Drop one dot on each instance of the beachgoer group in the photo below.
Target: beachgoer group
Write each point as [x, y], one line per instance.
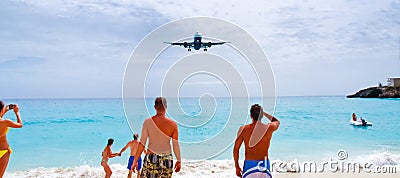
[159, 131]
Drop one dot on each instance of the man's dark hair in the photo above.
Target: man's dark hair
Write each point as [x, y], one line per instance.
[1, 105]
[110, 142]
[160, 103]
[135, 136]
[256, 112]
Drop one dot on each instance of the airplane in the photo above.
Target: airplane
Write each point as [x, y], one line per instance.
[197, 43]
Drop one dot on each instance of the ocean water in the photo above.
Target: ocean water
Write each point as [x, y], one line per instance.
[59, 133]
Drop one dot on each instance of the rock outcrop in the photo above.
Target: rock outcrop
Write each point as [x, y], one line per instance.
[377, 92]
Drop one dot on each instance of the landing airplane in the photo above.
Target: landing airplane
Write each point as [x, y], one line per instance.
[197, 44]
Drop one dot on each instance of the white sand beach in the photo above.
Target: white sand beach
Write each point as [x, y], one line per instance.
[199, 169]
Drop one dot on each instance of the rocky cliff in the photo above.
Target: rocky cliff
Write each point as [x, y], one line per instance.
[377, 92]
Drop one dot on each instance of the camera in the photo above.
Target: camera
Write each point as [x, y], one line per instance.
[11, 106]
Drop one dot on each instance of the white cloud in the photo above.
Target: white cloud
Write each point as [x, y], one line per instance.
[95, 38]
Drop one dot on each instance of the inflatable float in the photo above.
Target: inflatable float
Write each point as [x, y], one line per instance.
[359, 123]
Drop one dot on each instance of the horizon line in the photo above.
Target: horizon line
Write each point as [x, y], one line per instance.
[167, 97]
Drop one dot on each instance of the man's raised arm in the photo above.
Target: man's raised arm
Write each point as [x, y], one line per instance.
[274, 121]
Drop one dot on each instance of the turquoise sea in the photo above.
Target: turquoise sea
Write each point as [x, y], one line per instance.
[73, 132]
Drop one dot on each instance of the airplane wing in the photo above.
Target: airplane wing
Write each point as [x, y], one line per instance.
[185, 44]
[209, 44]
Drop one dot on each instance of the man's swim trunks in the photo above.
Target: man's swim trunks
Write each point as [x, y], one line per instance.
[130, 162]
[256, 169]
[157, 166]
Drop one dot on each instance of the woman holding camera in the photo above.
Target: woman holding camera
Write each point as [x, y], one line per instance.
[5, 150]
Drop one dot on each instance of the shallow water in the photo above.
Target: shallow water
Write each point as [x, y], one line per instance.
[73, 132]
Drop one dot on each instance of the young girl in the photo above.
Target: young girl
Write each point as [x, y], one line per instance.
[107, 153]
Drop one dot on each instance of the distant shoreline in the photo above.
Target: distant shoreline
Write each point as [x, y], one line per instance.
[377, 92]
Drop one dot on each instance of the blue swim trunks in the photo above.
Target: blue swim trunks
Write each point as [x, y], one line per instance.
[252, 168]
[130, 162]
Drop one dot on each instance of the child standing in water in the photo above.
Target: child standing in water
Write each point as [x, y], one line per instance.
[107, 153]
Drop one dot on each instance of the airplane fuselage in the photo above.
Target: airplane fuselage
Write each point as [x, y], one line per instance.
[197, 42]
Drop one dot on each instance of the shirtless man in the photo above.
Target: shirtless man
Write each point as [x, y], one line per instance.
[159, 130]
[256, 137]
[133, 144]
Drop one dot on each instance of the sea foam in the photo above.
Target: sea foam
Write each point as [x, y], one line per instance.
[198, 169]
[381, 158]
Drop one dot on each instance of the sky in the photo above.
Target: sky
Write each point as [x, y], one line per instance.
[80, 48]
